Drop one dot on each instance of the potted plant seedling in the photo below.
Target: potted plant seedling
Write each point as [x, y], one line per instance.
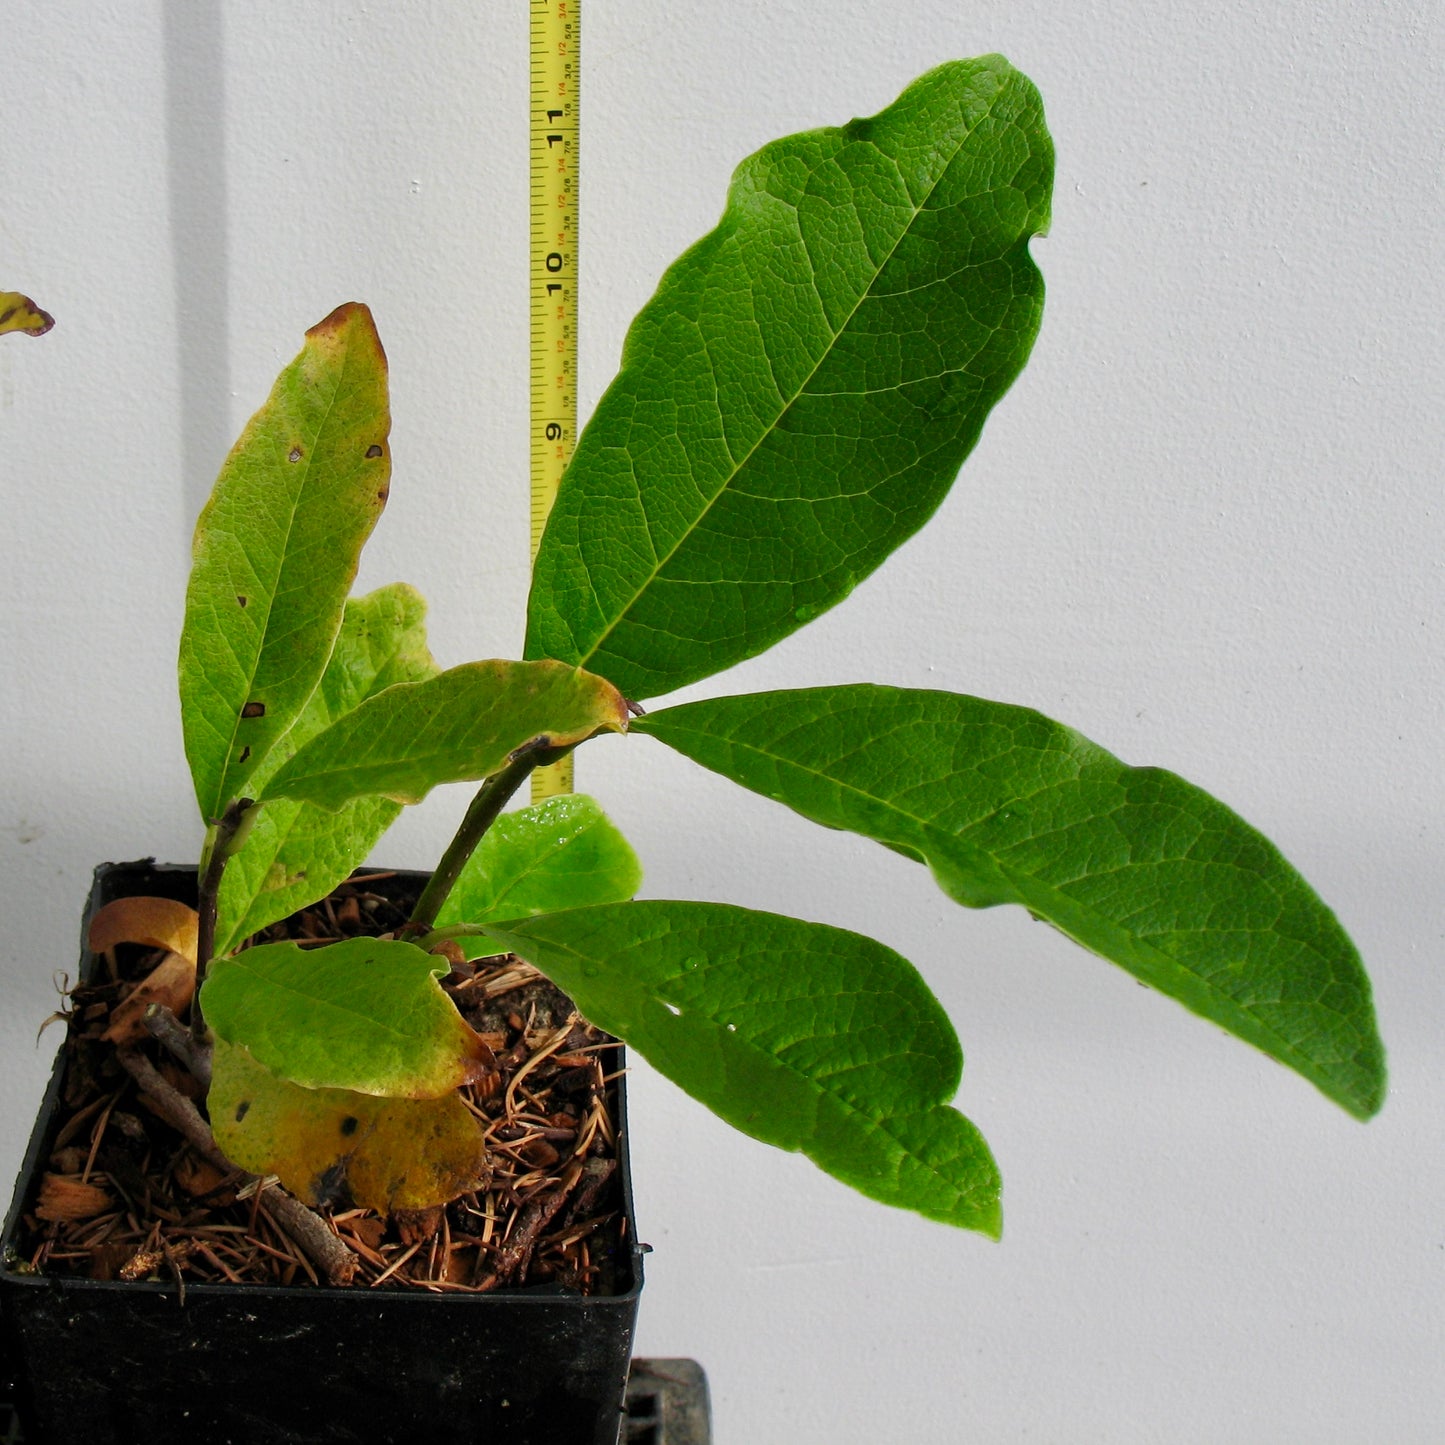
[793, 403]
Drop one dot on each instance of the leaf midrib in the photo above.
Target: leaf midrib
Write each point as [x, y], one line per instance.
[848, 1106]
[304, 483]
[1026, 884]
[325, 1004]
[621, 613]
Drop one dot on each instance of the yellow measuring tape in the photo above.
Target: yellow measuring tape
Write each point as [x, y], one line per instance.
[556, 71]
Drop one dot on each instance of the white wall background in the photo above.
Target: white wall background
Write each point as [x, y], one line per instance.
[1204, 528]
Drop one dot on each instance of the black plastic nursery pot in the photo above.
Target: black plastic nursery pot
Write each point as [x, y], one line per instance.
[104, 1362]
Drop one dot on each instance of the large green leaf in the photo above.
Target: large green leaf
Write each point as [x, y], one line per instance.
[296, 852]
[561, 853]
[796, 399]
[463, 724]
[276, 549]
[365, 1014]
[800, 1035]
[1006, 806]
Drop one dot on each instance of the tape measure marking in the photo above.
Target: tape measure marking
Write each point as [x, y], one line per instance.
[553, 131]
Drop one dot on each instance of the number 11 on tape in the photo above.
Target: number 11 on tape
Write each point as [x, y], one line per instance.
[555, 74]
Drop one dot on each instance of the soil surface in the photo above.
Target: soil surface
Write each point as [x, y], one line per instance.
[125, 1197]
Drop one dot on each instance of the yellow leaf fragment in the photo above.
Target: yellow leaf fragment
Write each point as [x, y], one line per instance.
[20, 313]
[152, 922]
[332, 1145]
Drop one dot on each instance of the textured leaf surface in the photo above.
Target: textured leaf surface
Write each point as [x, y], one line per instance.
[796, 399]
[461, 725]
[561, 853]
[365, 1014]
[296, 852]
[331, 1146]
[276, 549]
[800, 1035]
[1006, 806]
[20, 313]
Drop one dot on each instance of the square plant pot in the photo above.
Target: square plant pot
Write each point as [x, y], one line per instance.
[106, 1361]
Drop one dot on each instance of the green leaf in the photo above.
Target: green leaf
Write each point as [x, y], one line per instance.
[365, 1014]
[276, 549]
[1006, 806]
[463, 724]
[296, 852]
[561, 853]
[331, 1146]
[800, 1035]
[796, 399]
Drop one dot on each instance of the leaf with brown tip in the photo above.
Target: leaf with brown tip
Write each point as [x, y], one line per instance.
[20, 313]
[276, 551]
[461, 725]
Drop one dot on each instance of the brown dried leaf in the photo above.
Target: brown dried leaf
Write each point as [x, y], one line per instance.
[171, 983]
[154, 922]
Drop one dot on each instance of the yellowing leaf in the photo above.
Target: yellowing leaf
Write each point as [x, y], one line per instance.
[20, 313]
[331, 1145]
[464, 724]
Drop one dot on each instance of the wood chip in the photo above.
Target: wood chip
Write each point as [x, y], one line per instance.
[65, 1197]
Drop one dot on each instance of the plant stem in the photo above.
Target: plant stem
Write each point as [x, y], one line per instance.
[166, 1029]
[491, 798]
[224, 839]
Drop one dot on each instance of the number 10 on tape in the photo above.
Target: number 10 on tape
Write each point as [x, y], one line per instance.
[555, 73]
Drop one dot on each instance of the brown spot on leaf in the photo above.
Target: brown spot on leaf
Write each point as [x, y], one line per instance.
[373, 450]
[348, 1126]
[245, 754]
[242, 1109]
[254, 709]
[242, 601]
[295, 455]
[383, 494]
